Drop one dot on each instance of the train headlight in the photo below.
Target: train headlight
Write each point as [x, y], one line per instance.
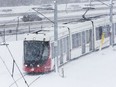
[32, 69]
[38, 65]
[25, 65]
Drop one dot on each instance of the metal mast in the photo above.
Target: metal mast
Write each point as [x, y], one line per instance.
[111, 24]
[56, 36]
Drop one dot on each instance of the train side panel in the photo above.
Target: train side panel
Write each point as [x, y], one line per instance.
[102, 33]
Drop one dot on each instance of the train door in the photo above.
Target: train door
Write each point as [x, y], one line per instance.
[106, 35]
[64, 49]
[102, 36]
[77, 45]
[90, 40]
[86, 41]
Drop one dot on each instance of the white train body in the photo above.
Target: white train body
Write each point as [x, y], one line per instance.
[76, 39]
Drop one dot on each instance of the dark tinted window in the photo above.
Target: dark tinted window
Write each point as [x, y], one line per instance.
[36, 50]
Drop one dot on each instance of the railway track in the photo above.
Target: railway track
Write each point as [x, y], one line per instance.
[20, 27]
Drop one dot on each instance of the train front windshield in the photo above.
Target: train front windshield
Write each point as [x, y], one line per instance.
[36, 51]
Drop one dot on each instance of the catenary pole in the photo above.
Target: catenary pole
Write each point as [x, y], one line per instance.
[17, 28]
[111, 23]
[56, 36]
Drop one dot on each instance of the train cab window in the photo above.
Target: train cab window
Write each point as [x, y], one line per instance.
[45, 52]
[36, 50]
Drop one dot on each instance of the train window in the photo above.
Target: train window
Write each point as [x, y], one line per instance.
[76, 40]
[45, 52]
[61, 47]
[66, 39]
[87, 36]
[79, 39]
[99, 32]
[90, 39]
[115, 28]
[102, 29]
[106, 30]
[65, 45]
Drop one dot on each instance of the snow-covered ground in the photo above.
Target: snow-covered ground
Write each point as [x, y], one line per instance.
[94, 70]
[97, 69]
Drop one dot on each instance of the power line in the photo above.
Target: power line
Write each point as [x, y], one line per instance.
[103, 2]
[35, 9]
[17, 66]
[8, 71]
[16, 80]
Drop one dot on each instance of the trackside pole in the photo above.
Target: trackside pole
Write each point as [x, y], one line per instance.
[62, 72]
[111, 24]
[56, 36]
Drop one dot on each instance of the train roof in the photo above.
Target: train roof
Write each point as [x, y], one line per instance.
[63, 29]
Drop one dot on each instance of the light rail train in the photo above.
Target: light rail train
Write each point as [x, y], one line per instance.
[75, 39]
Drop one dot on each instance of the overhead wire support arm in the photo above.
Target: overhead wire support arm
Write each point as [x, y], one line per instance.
[85, 14]
[42, 15]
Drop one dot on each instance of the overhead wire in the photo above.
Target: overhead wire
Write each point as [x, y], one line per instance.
[90, 8]
[13, 68]
[9, 71]
[43, 15]
[17, 80]
[103, 3]
[17, 66]
[34, 80]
